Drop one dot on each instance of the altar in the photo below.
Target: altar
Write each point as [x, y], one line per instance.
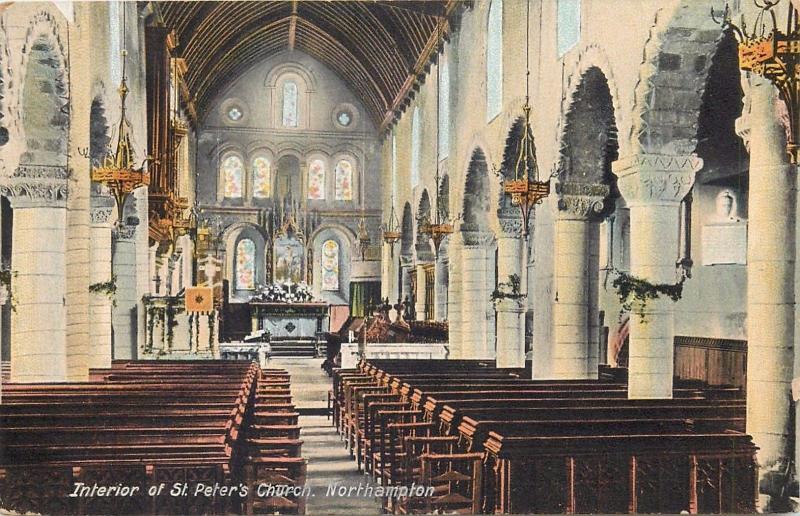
[292, 320]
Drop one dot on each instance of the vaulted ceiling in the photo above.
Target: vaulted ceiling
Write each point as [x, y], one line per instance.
[381, 49]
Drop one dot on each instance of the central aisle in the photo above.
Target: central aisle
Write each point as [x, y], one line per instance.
[330, 465]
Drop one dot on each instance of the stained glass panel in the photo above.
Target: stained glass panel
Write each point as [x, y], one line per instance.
[330, 265]
[232, 173]
[316, 179]
[262, 178]
[344, 181]
[246, 265]
[290, 104]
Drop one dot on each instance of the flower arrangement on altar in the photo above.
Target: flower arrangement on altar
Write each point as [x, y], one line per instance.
[285, 292]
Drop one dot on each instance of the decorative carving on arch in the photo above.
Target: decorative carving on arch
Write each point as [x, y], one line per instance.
[672, 80]
[423, 247]
[476, 194]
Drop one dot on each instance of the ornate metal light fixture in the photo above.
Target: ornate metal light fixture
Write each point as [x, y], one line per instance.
[526, 189]
[118, 171]
[441, 227]
[363, 237]
[774, 55]
[391, 229]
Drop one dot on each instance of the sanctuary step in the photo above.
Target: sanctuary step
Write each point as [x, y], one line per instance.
[293, 348]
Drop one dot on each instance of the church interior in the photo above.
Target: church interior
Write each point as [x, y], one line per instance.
[399, 256]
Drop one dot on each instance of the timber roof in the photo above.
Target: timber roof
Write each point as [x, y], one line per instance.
[381, 49]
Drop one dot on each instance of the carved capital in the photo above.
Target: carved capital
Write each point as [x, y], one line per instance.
[580, 200]
[34, 186]
[656, 178]
[476, 238]
[510, 227]
[124, 232]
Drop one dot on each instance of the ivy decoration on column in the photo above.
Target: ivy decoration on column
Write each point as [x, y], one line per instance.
[211, 316]
[7, 293]
[634, 292]
[106, 288]
[512, 289]
[191, 332]
[151, 323]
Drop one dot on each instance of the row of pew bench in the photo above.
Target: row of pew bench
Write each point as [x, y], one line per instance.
[488, 440]
[144, 423]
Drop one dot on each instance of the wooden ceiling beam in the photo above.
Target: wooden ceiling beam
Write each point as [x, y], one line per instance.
[293, 26]
[428, 8]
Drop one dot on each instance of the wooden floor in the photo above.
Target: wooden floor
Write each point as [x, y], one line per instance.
[328, 461]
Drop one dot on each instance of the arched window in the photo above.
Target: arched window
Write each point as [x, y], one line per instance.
[444, 107]
[316, 179]
[494, 60]
[262, 178]
[290, 104]
[344, 180]
[568, 26]
[245, 265]
[330, 265]
[232, 172]
[416, 147]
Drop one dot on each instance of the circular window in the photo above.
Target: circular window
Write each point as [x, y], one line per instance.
[235, 114]
[344, 118]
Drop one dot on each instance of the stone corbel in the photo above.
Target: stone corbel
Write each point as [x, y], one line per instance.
[580, 200]
[37, 186]
[656, 178]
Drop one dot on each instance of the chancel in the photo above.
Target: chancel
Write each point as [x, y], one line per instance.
[517, 256]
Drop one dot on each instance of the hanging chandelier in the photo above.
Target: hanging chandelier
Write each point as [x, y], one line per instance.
[118, 171]
[441, 227]
[526, 189]
[391, 229]
[774, 55]
[363, 237]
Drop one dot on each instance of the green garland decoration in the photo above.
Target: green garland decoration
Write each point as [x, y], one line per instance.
[634, 292]
[106, 288]
[509, 290]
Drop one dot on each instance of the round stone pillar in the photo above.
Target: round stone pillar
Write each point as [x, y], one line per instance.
[476, 296]
[38, 324]
[419, 302]
[454, 298]
[510, 312]
[771, 250]
[124, 315]
[575, 263]
[100, 272]
[653, 187]
[442, 279]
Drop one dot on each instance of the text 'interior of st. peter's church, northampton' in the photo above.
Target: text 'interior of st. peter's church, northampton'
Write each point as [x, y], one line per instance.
[399, 256]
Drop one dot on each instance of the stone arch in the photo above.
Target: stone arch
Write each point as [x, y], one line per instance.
[589, 143]
[44, 95]
[407, 232]
[423, 247]
[234, 234]
[443, 205]
[672, 78]
[510, 154]
[476, 194]
[99, 131]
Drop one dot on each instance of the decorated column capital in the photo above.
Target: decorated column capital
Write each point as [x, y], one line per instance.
[102, 207]
[36, 186]
[656, 178]
[510, 222]
[474, 237]
[580, 201]
[124, 232]
[763, 110]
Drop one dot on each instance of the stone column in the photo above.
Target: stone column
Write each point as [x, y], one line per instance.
[419, 304]
[475, 297]
[38, 196]
[100, 272]
[510, 312]
[573, 309]
[771, 235]
[653, 186]
[454, 298]
[124, 315]
[442, 277]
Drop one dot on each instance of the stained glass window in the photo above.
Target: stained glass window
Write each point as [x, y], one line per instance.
[235, 114]
[330, 265]
[569, 25]
[245, 265]
[262, 178]
[232, 174]
[316, 179]
[494, 60]
[290, 104]
[416, 147]
[344, 181]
